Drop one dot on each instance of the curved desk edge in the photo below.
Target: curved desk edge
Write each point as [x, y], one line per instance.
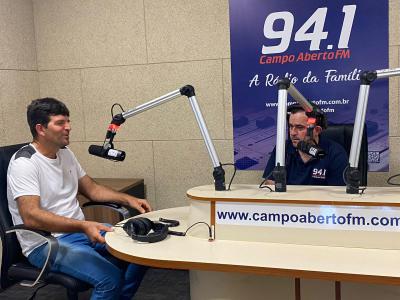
[292, 266]
[182, 265]
[283, 201]
[256, 195]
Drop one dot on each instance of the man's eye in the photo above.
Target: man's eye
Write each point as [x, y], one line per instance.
[297, 127]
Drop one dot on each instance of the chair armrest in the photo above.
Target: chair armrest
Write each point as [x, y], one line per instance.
[124, 212]
[51, 255]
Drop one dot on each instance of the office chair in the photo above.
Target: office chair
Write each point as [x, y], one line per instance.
[14, 266]
[342, 134]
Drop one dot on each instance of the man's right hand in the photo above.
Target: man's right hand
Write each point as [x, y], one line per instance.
[92, 230]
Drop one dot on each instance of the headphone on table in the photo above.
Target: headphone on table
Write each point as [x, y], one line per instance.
[139, 229]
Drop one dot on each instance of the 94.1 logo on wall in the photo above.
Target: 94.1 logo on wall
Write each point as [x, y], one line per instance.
[311, 31]
[321, 47]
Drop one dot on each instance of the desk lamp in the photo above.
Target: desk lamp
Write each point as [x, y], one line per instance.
[366, 78]
[108, 151]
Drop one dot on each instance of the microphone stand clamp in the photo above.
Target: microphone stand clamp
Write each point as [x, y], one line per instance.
[353, 178]
[279, 175]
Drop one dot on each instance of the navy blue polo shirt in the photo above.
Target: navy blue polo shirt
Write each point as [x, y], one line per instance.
[326, 171]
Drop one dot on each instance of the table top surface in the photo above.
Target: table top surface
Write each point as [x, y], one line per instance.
[306, 261]
[119, 184]
[301, 194]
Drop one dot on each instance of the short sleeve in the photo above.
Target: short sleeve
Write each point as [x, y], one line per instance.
[23, 178]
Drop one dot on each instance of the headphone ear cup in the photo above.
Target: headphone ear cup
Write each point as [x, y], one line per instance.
[137, 226]
[160, 232]
[142, 225]
[147, 224]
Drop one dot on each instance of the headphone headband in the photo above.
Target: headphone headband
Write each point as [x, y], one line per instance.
[317, 113]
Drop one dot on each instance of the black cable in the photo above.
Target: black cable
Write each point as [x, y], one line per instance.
[112, 109]
[390, 178]
[197, 223]
[344, 174]
[261, 186]
[233, 175]
[314, 141]
[36, 290]
[112, 117]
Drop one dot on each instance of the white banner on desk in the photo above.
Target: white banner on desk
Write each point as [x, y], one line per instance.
[364, 218]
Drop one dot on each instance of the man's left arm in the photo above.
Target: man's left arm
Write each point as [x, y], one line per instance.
[99, 193]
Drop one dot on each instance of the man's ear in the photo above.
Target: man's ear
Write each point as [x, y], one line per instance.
[317, 130]
[40, 129]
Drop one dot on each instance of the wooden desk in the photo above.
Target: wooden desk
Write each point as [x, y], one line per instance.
[131, 186]
[223, 268]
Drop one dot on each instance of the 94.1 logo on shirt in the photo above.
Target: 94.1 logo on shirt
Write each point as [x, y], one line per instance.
[319, 173]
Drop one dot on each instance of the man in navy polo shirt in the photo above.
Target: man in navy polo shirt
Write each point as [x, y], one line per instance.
[301, 168]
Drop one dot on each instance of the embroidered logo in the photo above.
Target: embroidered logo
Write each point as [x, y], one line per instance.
[319, 173]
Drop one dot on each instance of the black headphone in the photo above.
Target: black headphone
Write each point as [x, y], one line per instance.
[317, 113]
[139, 229]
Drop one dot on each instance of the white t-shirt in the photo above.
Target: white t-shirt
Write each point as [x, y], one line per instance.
[55, 181]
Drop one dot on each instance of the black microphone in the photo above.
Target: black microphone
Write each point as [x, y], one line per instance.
[311, 149]
[110, 153]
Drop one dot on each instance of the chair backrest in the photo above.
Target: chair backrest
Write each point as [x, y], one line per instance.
[11, 250]
[342, 134]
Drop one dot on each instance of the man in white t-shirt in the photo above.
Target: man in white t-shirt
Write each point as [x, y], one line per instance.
[43, 180]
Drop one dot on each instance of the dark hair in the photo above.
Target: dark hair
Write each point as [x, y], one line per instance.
[320, 116]
[40, 110]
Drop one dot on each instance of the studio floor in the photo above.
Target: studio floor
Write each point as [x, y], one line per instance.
[158, 284]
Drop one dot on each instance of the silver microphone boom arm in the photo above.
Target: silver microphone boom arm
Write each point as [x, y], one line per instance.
[188, 91]
[285, 87]
[367, 77]
[305, 104]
